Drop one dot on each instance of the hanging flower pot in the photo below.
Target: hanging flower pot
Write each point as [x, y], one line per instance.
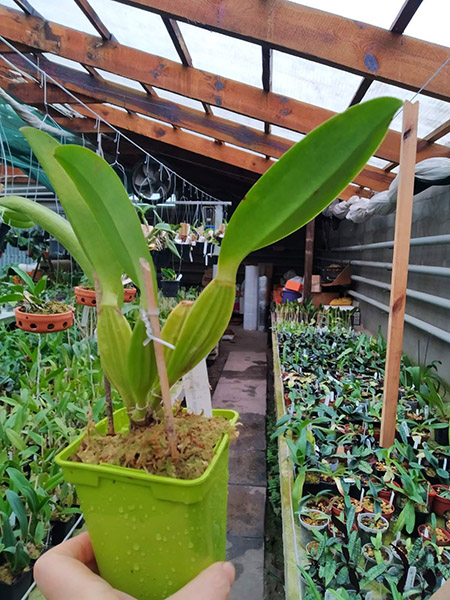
[151, 534]
[87, 297]
[43, 323]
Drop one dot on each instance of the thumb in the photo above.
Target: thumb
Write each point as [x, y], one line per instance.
[214, 583]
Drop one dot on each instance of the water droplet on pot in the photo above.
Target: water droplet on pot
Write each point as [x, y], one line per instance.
[136, 568]
[153, 507]
[164, 539]
[190, 545]
[170, 582]
[131, 507]
[136, 547]
[168, 528]
[121, 509]
[141, 580]
[158, 537]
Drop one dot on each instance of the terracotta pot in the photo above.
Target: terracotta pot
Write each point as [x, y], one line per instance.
[87, 297]
[440, 505]
[422, 530]
[337, 511]
[129, 294]
[386, 494]
[37, 323]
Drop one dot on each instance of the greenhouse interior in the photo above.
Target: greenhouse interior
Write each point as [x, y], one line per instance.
[224, 300]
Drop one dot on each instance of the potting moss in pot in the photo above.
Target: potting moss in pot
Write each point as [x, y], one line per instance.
[153, 483]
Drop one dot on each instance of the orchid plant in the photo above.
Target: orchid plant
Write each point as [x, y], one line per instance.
[104, 235]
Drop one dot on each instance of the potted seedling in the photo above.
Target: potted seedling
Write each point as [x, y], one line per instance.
[311, 520]
[375, 553]
[34, 313]
[171, 489]
[86, 295]
[441, 500]
[170, 283]
[371, 524]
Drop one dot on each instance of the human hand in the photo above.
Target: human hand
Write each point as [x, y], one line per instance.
[69, 572]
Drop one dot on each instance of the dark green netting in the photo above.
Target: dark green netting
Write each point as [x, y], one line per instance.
[14, 149]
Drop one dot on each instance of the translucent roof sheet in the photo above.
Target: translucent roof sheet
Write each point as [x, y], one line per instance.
[131, 83]
[247, 150]
[380, 13]
[237, 118]
[223, 55]
[65, 12]
[312, 82]
[64, 61]
[432, 112]
[287, 133]
[136, 28]
[179, 99]
[378, 162]
[431, 22]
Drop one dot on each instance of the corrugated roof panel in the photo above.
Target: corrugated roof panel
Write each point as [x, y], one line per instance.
[223, 55]
[380, 13]
[432, 112]
[121, 80]
[66, 62]
[136, 28]
[312, 82]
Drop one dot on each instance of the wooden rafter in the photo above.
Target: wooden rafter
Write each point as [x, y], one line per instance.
[94, 19]
[173, 29]
[401, 21]
[188, 118]
[267, 55]
[138, 65]
[320, 36]
[27, 8]
[369, 177]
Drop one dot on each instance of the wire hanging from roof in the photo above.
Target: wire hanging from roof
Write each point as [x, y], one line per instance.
[96, 115]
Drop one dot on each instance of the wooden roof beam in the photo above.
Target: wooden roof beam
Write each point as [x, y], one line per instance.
[323, 37]
[402, 20]
[182, 116]
[170, 75]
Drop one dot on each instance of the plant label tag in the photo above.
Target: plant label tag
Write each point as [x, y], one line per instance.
[416, 439]
[85, 316]
[198, 393]
[445, 464]
[405, 428]
[410, 578]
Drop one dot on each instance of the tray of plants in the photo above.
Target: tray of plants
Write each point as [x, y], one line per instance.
[372, 520]
[174, 490]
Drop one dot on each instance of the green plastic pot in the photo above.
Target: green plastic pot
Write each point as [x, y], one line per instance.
[152, 534]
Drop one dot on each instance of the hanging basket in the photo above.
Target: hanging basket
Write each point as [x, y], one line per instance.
[87, 297]
[38, 323]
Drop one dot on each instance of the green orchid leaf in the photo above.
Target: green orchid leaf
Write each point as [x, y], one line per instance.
[110, 205]
[87, 231]
[56, 225]
[305, 180]
[19, 510]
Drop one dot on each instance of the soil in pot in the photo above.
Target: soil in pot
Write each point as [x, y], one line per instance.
[370, 524]
[54, 316]
[442, 536]
[368, 551]
[13, 588]
[147, 448]
[337, 505]
[311, 520]
[387, 509]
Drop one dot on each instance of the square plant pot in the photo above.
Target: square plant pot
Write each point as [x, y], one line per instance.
[17, 589]
[152, 534]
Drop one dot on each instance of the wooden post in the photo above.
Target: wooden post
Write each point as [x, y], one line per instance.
[399, 273]
[309, 256]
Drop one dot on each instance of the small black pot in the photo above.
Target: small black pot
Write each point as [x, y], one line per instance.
[161, 259]
[16, 590]
[441, 436]
[60, 529]
[170, 288]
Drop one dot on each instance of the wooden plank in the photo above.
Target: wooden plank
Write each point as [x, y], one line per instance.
[173, 30]
[357, 47]
[291, 534]
[309, 259]
[27, 8]
[369, 176]
[32, 93]
[399, 279]
[94, 19]
[352, 190]
[169, 75]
